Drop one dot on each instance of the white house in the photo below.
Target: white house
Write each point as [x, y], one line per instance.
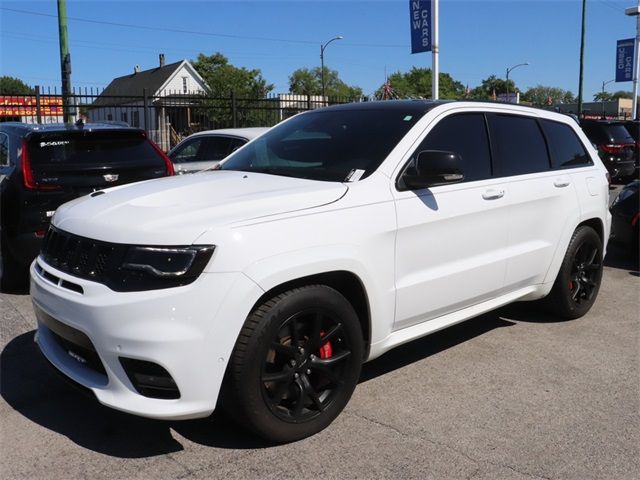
[169, 90]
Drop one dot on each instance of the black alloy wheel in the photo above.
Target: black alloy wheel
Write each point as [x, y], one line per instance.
[295, 365]
[585, 273]
[578, 282]
[304, 366]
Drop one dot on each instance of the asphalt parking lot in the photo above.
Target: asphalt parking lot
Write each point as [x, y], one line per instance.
[512, 394]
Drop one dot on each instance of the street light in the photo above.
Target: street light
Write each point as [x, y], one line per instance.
[604, 84]
[635, 12]
[322, 47]
[509, 71]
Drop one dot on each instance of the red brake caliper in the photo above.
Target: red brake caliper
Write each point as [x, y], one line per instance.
[326, 351]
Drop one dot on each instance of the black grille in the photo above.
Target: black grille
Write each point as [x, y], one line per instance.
[104, 262]
[79, 256]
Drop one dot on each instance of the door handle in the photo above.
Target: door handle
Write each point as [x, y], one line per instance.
[561, 182]
[493, 194]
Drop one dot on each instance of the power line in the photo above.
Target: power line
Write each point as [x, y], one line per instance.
[161, 29]
[195, 32]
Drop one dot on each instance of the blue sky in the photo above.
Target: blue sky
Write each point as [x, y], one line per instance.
[477, 39]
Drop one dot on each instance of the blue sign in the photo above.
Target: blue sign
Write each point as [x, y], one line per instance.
[420, 12]
[624, 60]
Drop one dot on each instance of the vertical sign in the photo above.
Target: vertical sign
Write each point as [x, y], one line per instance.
[624, 60]
[420, 16]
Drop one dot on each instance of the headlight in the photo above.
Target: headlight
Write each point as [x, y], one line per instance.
[150, 268]
[160, 261]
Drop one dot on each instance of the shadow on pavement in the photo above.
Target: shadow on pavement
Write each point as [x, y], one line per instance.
[29, 386]
[622, 258]
[422, 348]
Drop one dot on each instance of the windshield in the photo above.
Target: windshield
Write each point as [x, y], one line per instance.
[330, 145]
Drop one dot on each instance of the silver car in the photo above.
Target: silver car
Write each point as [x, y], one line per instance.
[205, 149]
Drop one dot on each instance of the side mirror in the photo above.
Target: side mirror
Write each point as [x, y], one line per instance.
[432, 168]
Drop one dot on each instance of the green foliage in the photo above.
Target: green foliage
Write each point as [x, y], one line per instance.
[541, 94]
[417, 84]
[491, 87]
[306, 81]
[14, 86]
[223, 78]
[607, 97]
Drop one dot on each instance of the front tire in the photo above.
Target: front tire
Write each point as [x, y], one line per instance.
[296, 363]
[578, 282]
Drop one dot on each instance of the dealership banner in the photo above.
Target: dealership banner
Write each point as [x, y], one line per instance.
[624, 60]
[420, 16]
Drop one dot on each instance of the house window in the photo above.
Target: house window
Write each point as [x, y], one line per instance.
[109, 117]
[184, 84]
[135, 119]
[123, 117]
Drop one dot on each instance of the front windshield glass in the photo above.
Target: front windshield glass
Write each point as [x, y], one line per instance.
[330, 145]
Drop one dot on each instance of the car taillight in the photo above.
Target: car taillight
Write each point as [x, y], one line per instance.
[167, 160]
[615, 148]
[27, 173]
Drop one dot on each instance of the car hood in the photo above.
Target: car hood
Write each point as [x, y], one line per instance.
[177, 210]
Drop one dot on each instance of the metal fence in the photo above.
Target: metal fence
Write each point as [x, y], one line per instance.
[166, 119]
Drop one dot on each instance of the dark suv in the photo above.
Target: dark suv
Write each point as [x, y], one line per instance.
[615, 145]
[42, 167]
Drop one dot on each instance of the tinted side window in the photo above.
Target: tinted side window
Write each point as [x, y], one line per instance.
[187, 152]
[215, 148]
[4, 149]
[518, 145]
[564, 145]
[466, 135]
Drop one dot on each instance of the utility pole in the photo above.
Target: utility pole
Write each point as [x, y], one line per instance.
[604, 84]
[435, 52]
[65, 59]
[635, 12]
[584, 15]
[322, 47]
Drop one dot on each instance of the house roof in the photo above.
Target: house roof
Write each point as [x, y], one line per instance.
[132, 85]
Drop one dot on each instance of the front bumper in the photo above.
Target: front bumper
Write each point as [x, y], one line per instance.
[189, 331]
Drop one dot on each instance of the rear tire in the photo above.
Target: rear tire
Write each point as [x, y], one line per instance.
[576, 287]
[296, 363]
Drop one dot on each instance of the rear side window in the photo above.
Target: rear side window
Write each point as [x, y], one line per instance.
[565, 147]
[518, 145]
[216, 148]
[466, 135]
[103, 148]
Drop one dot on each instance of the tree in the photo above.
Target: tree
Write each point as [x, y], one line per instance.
[14, 86]
[542, 95]
[608, 97]
[416, 83]
[304, 81]
[223, 79]
[491, 87]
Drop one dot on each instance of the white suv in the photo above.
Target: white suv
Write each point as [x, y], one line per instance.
[334, 237]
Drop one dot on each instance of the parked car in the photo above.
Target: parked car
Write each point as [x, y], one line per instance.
[206, 149]
[633, 127]
[339, 234]
[615, 145]
[42, 167]
[625, 210]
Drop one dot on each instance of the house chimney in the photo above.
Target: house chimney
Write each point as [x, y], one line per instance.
[136, 69]
[161, 60]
